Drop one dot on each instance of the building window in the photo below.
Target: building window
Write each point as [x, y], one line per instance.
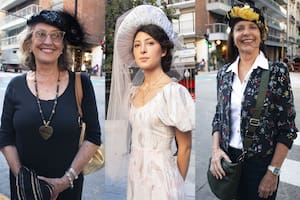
[186, 23]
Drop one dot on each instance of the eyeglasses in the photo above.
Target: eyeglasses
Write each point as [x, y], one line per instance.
[55, 36]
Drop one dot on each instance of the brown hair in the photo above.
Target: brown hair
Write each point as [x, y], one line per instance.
[28, 58]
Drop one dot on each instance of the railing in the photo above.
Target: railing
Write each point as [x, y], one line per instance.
[274, 38]
[13, 40]
[23, 13]
[220, 1]
[178, 1]
[217, 28]
[292, 39]
[272, 21]
[189, 79]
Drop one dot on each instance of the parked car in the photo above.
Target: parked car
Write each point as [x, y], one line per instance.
[11, 67]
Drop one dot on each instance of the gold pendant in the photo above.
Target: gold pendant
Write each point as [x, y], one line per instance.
[46, 132]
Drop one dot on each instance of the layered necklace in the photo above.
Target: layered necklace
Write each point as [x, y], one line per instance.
[147, 89]
[46, 131]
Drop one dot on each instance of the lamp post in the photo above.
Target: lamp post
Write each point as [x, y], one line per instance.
[282, 45]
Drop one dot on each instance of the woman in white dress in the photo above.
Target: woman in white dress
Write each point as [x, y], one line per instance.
[159, 109]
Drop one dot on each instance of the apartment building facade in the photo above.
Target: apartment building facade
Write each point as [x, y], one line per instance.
[90, 13]
[185, 27]
[210, 20]
[293, 29]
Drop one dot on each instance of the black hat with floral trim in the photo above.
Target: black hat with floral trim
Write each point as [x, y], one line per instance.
[247, 12]
[63, 21]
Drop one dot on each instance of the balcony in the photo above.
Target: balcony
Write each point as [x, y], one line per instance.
[292, 19]
[18, 18]
[10, 42]
[272, 22]
[220, 7]
[217, 31]
[8, 4]
[292, 40]
[273, 8]
[181, 4]
[282, 2]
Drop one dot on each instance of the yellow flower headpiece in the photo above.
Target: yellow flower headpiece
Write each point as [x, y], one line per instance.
[245, 12]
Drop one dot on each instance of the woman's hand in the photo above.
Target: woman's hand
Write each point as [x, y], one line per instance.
[268, 185]
[215, 165]
[58, 185]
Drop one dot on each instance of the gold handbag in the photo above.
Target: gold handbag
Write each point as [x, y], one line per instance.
[97, 161]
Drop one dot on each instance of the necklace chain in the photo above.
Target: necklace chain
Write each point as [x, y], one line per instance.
[145, 92]
[46, 123]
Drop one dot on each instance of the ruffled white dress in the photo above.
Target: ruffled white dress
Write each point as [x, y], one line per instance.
[153, 172]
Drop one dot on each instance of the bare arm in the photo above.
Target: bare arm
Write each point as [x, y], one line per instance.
[11, 155]
[269, 182]
[184, 140]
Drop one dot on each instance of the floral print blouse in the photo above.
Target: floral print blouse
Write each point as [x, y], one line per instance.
[278, 113]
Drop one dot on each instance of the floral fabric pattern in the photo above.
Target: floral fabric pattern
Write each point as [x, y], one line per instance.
[278, 112]
[153, 172]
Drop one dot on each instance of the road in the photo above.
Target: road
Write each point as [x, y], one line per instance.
[289, 187]
[93, 188]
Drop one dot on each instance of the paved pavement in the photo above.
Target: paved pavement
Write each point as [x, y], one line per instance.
[289, 187]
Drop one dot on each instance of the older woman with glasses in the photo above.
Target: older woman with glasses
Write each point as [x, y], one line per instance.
[39, 133]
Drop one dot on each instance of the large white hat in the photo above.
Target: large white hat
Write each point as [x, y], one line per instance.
[140, 15]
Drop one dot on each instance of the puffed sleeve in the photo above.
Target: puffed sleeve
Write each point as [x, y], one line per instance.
[285, 105]
[7, 133]
[90, 112]
[178, 108]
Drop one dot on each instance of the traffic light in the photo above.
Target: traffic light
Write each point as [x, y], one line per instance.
[206, 36]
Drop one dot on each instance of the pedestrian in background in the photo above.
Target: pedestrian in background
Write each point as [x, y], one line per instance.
[40, 133]
[202, 65]
[237, 91]
[159, 108]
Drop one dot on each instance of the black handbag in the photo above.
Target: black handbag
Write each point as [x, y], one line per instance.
[226, 188]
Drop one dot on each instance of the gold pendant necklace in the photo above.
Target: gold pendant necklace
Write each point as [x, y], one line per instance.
[45, 130]
[147, 89]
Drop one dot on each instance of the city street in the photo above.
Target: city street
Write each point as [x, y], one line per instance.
[94, 183]
[289, 187]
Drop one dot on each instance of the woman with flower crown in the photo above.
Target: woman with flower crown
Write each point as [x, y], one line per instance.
[237, 90]
[157, 108]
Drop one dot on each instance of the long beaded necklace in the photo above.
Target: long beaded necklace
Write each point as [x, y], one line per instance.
[46, 130]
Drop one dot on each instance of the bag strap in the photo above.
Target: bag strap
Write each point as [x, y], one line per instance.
[78, 92]
[254, 122]
[79, 96]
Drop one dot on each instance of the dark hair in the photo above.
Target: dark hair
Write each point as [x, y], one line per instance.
[28, 59]
[162, 38]
[232, 51]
